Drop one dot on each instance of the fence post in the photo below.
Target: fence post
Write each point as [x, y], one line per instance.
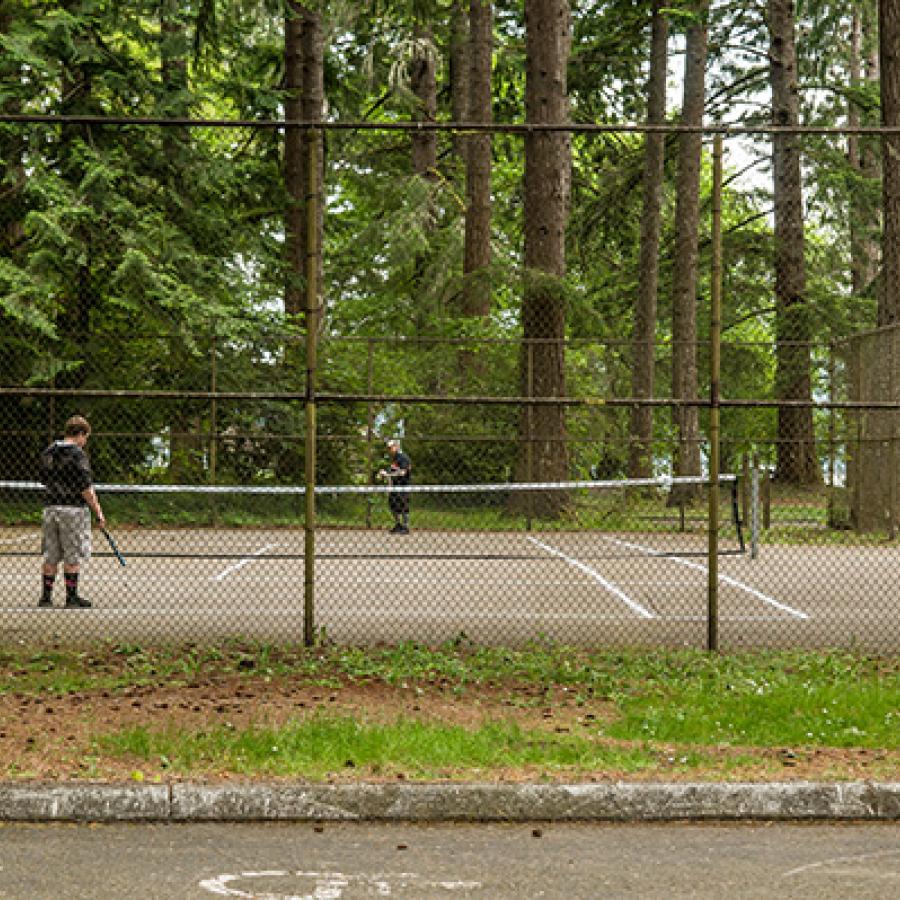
[830, 515]
[529, 447]
[370, 425]
[892, 457]
[213, 420]
[715, 324]
[312, 322]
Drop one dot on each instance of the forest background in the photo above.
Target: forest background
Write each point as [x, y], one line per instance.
[512, 257]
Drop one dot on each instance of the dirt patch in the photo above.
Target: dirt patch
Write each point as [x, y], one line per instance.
[52, 737]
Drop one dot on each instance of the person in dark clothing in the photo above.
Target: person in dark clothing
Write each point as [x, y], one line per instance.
[69, 498]
[398, 475]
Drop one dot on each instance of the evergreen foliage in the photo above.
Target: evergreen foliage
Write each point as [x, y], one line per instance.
[132, 257]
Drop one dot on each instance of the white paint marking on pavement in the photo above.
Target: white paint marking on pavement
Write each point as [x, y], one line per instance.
[593, 573]
[330, 885]
[244, 562]
[727, 579]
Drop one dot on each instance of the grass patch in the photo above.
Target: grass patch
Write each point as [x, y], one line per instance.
[775, 709]
[623, 711]
[322, 747]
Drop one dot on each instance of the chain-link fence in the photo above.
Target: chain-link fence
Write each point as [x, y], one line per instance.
[562, 450]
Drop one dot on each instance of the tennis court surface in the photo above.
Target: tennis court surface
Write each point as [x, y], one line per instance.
[592, 587]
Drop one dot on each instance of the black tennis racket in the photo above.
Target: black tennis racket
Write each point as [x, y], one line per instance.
[113, 546]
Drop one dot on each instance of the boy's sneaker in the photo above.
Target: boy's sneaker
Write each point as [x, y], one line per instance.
[45, 602]
[77, 603]
[397, 529]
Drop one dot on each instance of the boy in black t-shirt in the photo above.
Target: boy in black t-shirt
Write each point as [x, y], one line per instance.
[68, 495]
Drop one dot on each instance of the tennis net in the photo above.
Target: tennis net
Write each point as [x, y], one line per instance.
[670, 515]
[497, 563]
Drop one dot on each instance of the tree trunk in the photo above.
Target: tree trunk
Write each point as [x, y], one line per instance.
[543, 451]
[313, 106]
[77, 302]
[185, 426]
[477, 253]
[423, 83]
[459, 70]
[865, 224]
[640, 451]
[294, 165]
[304, 101]
[889, 40]
[687, 225]
[174, 77]
[796, 451]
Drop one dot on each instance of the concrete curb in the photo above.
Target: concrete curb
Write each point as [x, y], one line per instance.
[622, 802]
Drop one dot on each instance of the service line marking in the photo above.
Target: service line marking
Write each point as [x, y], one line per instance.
[593, 573]
[726, 579]
[244, 562]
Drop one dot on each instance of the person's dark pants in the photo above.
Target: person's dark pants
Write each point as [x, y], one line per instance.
[399, 506]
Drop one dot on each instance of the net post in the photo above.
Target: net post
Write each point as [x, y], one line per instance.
[712, 635]
[312, 311]
[745, 486]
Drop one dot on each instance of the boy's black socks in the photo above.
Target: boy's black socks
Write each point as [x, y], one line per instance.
[71, 586]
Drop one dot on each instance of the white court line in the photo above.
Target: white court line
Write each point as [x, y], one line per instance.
[503, 582]
[724, 578]
[18, 540]
[593, 573]
[240, 565]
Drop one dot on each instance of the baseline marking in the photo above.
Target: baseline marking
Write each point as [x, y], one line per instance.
[18, 540]
[593, 573]
[244, 562]
[727, 579]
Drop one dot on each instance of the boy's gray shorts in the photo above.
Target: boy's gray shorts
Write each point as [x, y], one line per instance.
[66, 535]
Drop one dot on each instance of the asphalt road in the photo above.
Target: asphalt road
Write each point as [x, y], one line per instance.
[350, 861]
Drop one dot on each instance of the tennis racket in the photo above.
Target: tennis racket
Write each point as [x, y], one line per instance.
[113, 546]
